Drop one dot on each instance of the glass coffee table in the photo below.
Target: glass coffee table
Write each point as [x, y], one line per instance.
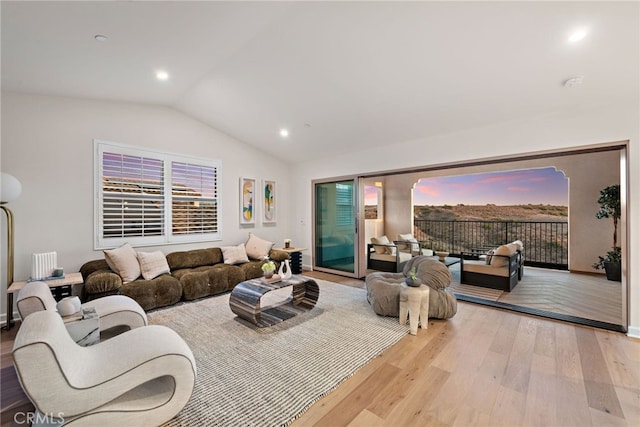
[449, 261]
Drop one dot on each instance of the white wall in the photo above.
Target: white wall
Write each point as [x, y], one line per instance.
[47, 143]
[554, 131]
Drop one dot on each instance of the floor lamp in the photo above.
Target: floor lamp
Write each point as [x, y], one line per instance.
[10, 189]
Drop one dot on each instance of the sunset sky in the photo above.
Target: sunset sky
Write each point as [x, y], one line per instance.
[531, 186]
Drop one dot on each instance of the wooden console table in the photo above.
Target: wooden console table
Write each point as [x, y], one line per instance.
[60, 288]
[245, 298]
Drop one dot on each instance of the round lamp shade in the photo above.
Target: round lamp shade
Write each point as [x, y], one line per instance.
[10, 188]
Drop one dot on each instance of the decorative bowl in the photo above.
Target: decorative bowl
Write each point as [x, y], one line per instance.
[442, 255]
[68, 306]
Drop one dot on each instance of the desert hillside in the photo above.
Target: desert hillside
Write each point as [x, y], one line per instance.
[492, 212]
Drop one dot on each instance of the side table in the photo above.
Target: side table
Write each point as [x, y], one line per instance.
[60, 288]
[83, 327]
[415, 302]
[296, 258]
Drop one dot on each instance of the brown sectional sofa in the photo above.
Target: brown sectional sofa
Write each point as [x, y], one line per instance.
[194, 274]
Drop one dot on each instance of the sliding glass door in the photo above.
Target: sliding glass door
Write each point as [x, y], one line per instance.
[336, 227]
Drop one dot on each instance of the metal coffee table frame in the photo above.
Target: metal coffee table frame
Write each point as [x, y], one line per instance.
[245, 300]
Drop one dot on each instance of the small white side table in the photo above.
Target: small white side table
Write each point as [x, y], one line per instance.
[414, 301]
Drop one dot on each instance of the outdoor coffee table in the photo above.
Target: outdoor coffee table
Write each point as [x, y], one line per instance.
[245, 298]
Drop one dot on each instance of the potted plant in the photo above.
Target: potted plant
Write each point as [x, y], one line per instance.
[609, 201]
[412, 279]
[268, 268]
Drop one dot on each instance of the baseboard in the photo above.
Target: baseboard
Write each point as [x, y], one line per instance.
[3, 317]
[633, 332]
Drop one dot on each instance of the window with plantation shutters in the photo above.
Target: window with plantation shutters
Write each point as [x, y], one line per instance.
[146, 197]
[194, 198]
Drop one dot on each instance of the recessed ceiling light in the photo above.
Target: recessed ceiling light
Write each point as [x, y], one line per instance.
[578, 35]
[162, 75]
[574, 81]
[100, 38]
[284, 133]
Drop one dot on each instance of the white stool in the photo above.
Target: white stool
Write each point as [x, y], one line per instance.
[114, 310]
[414, 301]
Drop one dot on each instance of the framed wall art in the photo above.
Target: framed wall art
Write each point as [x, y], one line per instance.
[247, 201]
[269, 199]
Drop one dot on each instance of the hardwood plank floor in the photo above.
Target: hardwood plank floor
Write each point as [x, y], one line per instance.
[589, 296]
[491, 367]
[483, 367]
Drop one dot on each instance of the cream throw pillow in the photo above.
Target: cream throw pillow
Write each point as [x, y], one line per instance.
[415, 246]
[382, 240]
[234, 254]
[123, 260]
[153, 264]
[501, 261]
[257, 248]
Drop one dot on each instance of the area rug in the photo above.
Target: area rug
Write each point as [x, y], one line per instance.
[249, 376]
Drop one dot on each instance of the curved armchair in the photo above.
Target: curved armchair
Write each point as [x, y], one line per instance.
[142, 377]
[114, 310]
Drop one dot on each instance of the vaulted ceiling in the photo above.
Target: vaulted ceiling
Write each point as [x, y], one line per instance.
[339, 76]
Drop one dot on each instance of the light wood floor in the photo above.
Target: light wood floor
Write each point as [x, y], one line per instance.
[489, 367]
[590, 296]
[485, 366]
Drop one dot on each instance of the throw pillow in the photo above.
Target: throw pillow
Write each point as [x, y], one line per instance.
[153, 264]
[124, 261]
[415, 246]
[404, 238]
[519, 244]
[258, 248]
[234, 254]
[501, 261]
[383, 240]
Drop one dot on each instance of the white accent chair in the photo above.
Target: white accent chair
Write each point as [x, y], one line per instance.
[114, 310]
[141, 377]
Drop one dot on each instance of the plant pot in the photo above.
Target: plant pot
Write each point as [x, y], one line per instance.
[613, 271]
[410, 282]
[268, 274]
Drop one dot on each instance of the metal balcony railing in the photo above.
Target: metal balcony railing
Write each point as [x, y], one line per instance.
[546, 244]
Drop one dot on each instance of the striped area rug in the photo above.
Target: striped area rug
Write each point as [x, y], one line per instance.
[249, 376]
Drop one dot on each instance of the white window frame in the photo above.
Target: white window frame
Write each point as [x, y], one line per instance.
[101, 242]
